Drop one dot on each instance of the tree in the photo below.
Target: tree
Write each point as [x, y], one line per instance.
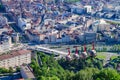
[76, 69]
[18, 69]
[3, 70]
[49, 70]
[108, 74]
[86, 74]
[99, 65]
[69, 75]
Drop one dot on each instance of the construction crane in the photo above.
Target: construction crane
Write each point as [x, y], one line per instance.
[76, 55]
[68, 57]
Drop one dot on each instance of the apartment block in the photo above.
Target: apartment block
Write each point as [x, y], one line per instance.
[15, 58]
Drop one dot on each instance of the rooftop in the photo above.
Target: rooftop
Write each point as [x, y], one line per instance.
[14, 54]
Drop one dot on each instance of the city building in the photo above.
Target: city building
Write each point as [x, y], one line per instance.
[88, 8]
[24, 24]
[3, 21]
[100, 25]
[15, 58]
[15, 37]
[41, 20]
[5, 43]
[34, 35]
[65, 38]
[90, 37]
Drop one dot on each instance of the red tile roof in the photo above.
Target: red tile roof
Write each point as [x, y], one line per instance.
[14, 54]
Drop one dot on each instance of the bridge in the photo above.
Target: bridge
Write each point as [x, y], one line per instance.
[48, 50]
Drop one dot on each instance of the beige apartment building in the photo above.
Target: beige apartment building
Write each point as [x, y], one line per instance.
[15, 58]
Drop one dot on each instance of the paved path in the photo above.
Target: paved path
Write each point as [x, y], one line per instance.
[108, 56]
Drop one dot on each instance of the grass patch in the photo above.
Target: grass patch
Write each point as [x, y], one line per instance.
[113, 57]
[101, 56]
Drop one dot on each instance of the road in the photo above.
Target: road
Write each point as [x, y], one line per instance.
[109, 55]
[11, 77]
